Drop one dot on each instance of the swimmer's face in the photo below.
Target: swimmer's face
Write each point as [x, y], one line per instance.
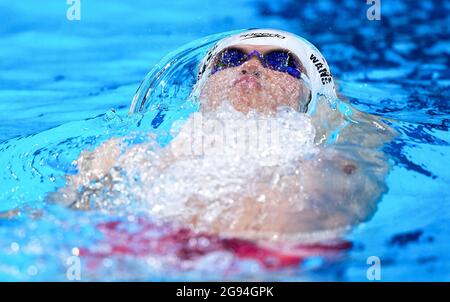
[251, 86]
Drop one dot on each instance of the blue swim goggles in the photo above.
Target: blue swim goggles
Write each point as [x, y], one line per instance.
[280, 60]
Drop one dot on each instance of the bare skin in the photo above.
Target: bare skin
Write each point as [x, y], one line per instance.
[250, 86]
[337, 190]
[323, 204]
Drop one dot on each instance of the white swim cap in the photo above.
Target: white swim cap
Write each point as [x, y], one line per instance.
[318, 76]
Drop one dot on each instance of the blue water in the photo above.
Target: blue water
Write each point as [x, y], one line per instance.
[59, 81]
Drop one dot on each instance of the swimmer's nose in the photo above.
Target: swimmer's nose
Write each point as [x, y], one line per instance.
[252, 67]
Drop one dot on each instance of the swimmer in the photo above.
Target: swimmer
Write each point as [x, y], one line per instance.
[327, 175]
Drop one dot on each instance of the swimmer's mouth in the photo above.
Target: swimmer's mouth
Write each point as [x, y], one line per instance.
[248, 81]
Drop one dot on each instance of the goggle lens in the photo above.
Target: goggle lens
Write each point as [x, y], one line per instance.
[279, 60]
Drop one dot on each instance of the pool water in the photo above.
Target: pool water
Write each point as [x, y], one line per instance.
[67, 86]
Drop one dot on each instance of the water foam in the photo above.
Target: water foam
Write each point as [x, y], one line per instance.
[214, 158]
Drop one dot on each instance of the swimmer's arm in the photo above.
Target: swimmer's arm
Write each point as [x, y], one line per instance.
[9, 214]
[92, 166]
[96, 166]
